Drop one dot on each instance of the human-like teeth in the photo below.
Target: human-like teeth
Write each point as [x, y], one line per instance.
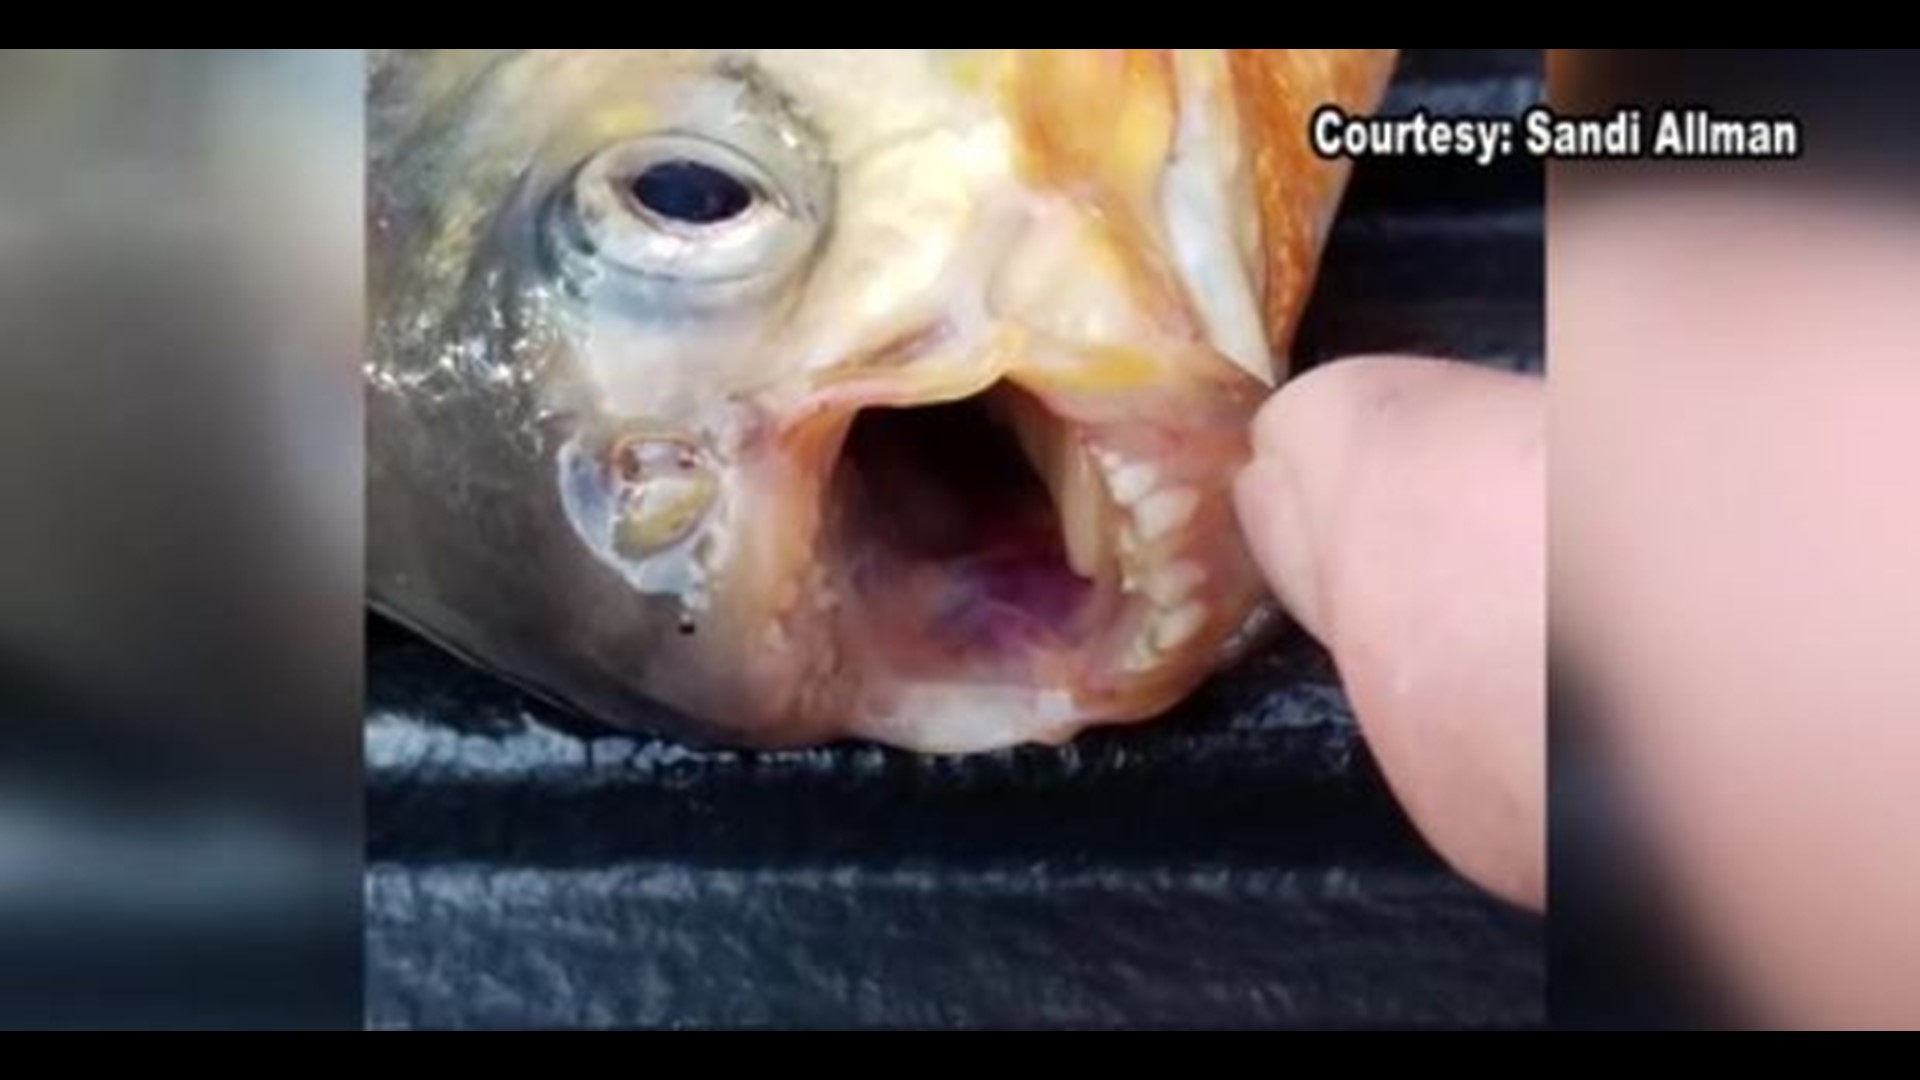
[1083, 517]
[1073, 481]
[1131, 482]
[1140, 658]
[1169, 585]
[1175, 628]
[1164, 511]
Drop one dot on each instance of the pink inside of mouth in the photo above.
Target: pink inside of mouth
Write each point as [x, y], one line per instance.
[947, 542]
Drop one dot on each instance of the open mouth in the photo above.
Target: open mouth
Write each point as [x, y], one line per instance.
[970, 540]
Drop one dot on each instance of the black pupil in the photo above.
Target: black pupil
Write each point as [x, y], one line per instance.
[690, 192]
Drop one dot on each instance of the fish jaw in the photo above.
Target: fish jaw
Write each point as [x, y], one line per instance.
[1033, 545]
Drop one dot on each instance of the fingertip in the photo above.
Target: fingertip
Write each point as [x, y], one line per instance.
[1276, 525]
[1332, 397]
[1398, 506]
[1314, 442]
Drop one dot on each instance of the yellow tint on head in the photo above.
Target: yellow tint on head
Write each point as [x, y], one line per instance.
[982, 71]
[1095, 120]
[615, 121]
[1106, 368]
[1096, 126]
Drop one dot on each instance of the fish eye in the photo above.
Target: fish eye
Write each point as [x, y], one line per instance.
[691, 192]
[688, 220]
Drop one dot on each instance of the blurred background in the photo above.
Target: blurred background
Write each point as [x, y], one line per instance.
[179, 552]
[1735, 599]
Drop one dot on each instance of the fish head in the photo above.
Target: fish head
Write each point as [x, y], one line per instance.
[890, 394]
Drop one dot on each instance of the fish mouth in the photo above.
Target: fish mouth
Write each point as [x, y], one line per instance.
[1002, 571]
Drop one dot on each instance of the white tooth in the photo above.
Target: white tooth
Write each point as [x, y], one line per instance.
[1140, 659]
[1174, 583]
[1083, 521]
[1175, 628]
[1128, 544]
[1131, 482]
[1071, 479]
[1164, 511]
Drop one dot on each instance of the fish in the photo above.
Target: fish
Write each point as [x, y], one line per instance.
[773, 398]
